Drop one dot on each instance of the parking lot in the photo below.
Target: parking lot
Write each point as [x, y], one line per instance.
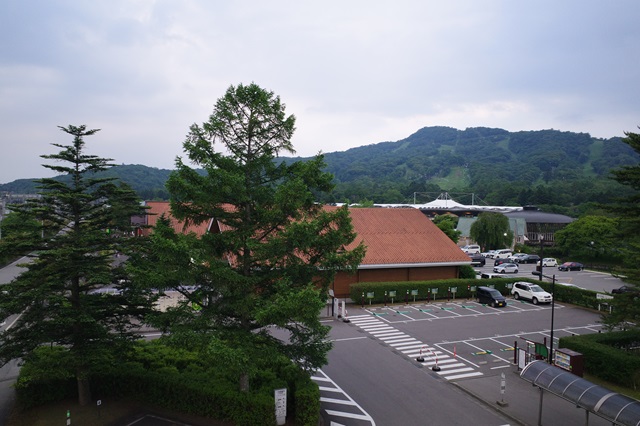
[466, 338]
[587, 279]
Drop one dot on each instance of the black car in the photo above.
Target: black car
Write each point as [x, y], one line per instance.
[477, 259]
[501, 261]
[571, 266]
[530, 258]
[625, 289]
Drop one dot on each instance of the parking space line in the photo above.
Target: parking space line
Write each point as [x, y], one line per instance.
[320, 376]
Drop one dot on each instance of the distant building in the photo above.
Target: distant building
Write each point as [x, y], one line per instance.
[528, 224]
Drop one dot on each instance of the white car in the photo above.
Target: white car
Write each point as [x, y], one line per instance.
[549, 261]
[502, 254]
[471, 249]
[528, 291]
[515, 258]
[506, 268]
[488, 254]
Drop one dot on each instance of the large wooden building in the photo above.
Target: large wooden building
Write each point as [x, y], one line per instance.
[402, 245]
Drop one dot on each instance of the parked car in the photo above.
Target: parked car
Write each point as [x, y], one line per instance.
[491, 297]
[528, 291]
[488, 253]
[471, 249]
[501, 261]
[549, 261]
[506, 268]
[625, 289]
[489, 275]
[515, 257]
[477, 259]
[571, 266]
[502, 254]
[530, 258]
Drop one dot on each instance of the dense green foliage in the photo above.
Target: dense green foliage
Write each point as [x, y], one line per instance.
[273, 251]
[626, 208]
[447, 224]
[610, 356]
[178, 379]
[564, 172]
[82, 225]
[491, 231]
[595, 239]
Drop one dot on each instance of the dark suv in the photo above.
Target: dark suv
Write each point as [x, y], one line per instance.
[530, 258]
[491, 297]
[477, 259]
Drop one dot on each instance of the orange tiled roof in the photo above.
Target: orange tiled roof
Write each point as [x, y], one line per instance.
[402, 236]
[393, 236]
[158, 208]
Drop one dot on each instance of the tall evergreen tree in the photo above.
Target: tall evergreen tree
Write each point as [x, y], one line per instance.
[269, 263]
[83, 227]
[627, 210]
[625, 308]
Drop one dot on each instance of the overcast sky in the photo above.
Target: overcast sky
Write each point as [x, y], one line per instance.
[353, 73]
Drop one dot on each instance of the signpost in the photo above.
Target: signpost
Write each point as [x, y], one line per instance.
[503, 385]
[281, 405]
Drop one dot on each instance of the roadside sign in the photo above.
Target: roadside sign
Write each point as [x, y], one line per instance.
[281, 405]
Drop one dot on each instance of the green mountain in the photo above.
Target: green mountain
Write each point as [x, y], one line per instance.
[566, 172]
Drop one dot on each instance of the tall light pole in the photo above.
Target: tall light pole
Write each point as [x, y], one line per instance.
[553, 305]
[541, 237]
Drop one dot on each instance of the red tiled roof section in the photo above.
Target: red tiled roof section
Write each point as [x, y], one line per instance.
[402, 236]
[158, 208]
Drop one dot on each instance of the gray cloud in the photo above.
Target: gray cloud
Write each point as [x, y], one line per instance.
[353, 73]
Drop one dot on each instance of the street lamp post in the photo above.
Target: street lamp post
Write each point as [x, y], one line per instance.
[541, 253]
[553, 305]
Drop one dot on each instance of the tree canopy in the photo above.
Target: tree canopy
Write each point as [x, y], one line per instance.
[491, 231]
[272, 252]
[55, 299]
[625, 307]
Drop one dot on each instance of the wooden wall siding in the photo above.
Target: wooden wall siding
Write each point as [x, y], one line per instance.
[343, 280]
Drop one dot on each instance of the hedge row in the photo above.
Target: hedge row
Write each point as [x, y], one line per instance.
[609, 356]
[191, 390]
[382, 292]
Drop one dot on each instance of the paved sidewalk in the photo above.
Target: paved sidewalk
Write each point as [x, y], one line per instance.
[522, 401]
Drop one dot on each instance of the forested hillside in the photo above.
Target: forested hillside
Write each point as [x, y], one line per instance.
[563, 171]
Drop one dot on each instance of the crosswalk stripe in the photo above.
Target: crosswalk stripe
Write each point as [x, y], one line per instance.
[464, 376]
[459, 370]
[337, 401]
[387, 336]
[400, 340]
[412, 347]
[327, 389]
[349, 415]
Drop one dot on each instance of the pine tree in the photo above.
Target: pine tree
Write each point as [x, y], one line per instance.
[625, 309]
[269, 263]
[83, 227]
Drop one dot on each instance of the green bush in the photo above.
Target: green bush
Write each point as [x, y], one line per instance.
[405, 289]
[610, 356]
[307, 402]
[176, 379]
